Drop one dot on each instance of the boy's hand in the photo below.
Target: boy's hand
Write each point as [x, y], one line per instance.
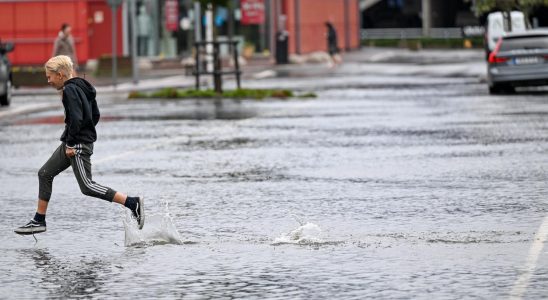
[70, 152]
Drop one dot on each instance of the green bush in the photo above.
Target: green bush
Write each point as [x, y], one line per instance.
[165, 93]
[197, 94]
[308, 95]
[136, 95]
[258, 94]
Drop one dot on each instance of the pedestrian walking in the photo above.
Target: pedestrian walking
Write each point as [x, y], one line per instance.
[64, 44]
[144, 29]
[332, 47]
[81, 117]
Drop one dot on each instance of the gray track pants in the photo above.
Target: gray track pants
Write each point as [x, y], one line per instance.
[81, 165]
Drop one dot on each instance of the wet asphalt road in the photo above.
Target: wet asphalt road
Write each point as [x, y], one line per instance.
[385, 186]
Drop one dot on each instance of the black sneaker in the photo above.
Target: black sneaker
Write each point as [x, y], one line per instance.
[139, 212]
[32, 227]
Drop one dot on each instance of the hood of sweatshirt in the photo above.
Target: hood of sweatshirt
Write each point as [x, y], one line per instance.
[88, 89]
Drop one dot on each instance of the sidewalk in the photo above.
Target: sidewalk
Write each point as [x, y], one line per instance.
[382, 61]
[168, 75]
[173, 76]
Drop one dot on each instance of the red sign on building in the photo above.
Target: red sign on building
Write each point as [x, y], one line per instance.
[252, 12]
[172, 15]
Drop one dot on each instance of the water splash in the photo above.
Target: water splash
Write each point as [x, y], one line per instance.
[306, 234]
[158, 230]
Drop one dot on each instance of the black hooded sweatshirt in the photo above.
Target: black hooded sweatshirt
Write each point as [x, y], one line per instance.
[81, 112]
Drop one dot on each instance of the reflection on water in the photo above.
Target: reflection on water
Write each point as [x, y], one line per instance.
[65, 278]
[203, 109]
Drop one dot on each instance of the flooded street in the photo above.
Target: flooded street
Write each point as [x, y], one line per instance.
[385, 186]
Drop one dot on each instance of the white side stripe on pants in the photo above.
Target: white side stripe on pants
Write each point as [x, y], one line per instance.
[92, 186]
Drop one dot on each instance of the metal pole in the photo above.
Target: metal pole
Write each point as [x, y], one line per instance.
[280, 25]
[126, 38]
[189, 37]
[236, 64]
[114, 50]
[217, 77]
[209, 38]
[262, 34]
[297, 26]
[197, 65]
[231, 7]
[360, 24]
[134, 58]
[272, 28]
[426, 17]
[197, 40]
[197, 22]
[347, 25]
[155, 36]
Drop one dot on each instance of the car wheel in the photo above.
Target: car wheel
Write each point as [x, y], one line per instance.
[501, 89]
[496, 89]
[5, 99]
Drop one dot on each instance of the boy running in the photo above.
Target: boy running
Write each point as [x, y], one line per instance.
[81, 117]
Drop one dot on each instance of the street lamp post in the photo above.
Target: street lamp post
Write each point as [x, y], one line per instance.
[114, 4]
[134, 58]
[426, 17]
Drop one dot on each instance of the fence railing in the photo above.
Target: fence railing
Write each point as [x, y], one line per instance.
[217, 72]
[413, 33]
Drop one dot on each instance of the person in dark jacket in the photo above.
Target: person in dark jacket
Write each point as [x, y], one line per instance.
[81, 117]
[332, 46]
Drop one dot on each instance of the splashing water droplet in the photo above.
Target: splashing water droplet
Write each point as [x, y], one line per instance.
[306, 234]
[158, 230]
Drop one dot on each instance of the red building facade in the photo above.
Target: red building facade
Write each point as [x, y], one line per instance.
[306, 24]
[33, 26]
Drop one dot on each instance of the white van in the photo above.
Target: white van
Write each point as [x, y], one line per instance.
[497, 26]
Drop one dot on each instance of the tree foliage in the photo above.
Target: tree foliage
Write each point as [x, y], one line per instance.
[484, 6]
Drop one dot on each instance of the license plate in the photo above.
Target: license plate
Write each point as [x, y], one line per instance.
[527, 60]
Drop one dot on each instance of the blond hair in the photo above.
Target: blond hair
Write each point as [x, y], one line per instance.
[60, 64]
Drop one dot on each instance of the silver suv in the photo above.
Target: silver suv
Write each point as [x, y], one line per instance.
[5, 74]
[519, 59]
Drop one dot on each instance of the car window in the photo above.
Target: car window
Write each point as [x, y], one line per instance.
[530, 42]
[496, 26]
[518, 23]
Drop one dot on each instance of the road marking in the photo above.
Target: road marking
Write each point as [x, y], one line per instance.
[381, 56]
[522, 282]
[27, 109]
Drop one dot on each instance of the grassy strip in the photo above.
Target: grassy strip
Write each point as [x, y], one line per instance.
[172, 93]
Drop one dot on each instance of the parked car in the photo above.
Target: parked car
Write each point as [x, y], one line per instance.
[5, 74]
[497, 26]
[519, 59]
